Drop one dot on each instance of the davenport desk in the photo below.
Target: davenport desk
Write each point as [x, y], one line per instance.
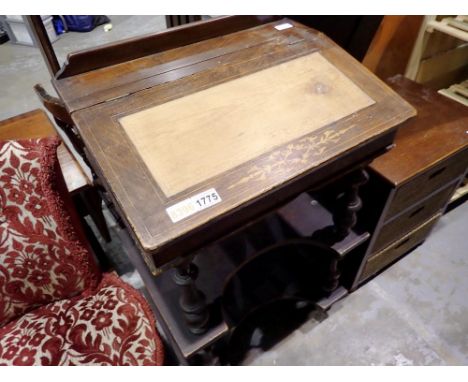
[197, 131]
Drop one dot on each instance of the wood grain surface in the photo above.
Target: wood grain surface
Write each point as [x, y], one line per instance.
[155, 67]
[439, 132]
[403, 245]
[337, 136]
[191, 139]
[130, 49]
[415, 179]
[392, 45]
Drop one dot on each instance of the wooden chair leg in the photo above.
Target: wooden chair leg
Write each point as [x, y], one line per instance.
[93, 202]
[101, 257]
[104, 263]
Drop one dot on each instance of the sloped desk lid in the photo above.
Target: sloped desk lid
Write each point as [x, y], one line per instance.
[189, 140]
[194, 143]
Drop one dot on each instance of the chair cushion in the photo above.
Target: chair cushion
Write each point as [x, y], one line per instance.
[42, 258]
[111, 326]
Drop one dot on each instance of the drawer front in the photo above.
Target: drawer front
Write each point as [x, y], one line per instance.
[414, 217]
[383, 258]
[429, 181]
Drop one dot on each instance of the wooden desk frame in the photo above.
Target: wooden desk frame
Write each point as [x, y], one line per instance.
[377, 123]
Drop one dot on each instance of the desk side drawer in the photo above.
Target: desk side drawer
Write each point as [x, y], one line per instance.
[383, 258]
[415, 216]
[427, 182]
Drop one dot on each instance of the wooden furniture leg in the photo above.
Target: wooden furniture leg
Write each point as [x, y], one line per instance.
[192, 301]
[333, 276]
[93, 202]
[104, 262]
[348, 204]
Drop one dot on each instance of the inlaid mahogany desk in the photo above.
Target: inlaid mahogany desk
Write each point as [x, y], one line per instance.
[199, 130]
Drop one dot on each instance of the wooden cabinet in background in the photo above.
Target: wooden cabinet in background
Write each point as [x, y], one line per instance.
[413, 182]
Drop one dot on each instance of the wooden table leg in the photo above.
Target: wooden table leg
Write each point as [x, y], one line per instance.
[333, 279]
[349, 203]
[192, 301]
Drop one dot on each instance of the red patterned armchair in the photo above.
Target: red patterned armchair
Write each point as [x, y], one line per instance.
[55, 306]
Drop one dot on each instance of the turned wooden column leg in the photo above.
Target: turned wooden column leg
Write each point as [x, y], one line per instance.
[348, 204]
[192, 301]
[333, 277]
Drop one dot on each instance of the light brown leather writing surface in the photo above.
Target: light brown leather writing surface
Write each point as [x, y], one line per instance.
[191, 139]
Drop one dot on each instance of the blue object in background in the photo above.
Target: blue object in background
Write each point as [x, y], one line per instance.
[79, 23]
[58, 25]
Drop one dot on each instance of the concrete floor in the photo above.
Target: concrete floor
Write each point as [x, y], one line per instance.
[414, 313]
[21, 67]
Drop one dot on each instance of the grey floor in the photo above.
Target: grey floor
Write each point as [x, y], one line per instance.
[21, 67]
[414, 313]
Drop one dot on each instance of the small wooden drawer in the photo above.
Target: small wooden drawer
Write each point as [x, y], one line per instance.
[427, 182]
[383, 258]
[415, 216]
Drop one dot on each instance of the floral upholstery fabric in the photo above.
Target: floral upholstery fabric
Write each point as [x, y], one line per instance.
[112, 326]
[41, 258]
